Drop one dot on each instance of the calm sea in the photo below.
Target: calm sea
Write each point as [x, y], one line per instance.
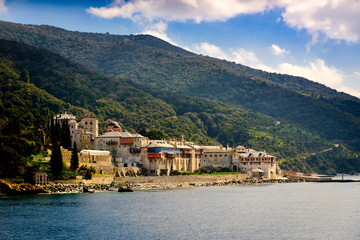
[279, 211]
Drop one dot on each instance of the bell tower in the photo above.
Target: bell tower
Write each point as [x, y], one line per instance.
[90, 124]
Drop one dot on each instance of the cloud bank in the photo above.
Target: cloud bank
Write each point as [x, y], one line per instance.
[335, 19]
[3, 8]
[316, 70]
[278, 51]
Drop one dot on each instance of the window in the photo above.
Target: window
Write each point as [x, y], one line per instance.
[210, 156]
[220, 155]
[85, 123]
[225, 155]
[215, 155]
[205, 155]
[90, 123]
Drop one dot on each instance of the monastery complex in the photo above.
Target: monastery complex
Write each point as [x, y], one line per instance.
[118, 151]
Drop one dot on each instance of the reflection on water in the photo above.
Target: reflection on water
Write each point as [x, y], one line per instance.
[280, 211]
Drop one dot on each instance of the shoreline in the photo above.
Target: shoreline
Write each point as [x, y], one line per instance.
[130, 185]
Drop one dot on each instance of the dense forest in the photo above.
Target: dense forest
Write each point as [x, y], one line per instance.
[146, 59]
[194, 107]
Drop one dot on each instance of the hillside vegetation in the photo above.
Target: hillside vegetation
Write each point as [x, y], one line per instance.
[201, 120]
[207, 106]
[146, 59]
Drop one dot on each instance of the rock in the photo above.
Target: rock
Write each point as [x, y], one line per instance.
[13, 189]
[125, 189]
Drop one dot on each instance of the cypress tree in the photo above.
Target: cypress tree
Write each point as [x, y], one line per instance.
[65, 135]
[74, 162]
[24, 76]
[56, 163]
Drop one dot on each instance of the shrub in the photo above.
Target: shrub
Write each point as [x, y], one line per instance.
[201, 170]
[163, 172]
[174, 173]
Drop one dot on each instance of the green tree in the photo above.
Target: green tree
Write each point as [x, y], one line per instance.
[56, 163]
[65, 135]
[24, 76]
[153, 134]
[74, 162]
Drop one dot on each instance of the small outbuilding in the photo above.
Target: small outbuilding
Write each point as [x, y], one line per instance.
[257, 173]
[40, 178]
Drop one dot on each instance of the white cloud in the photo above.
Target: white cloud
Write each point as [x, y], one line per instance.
[245, 57]
[240, 55]
[211, 50]
[357, 74]
[350, 91]
[315, 70]
[277, 51]
[181, 10]
[3, 8]
[159, 30]
[336, 19]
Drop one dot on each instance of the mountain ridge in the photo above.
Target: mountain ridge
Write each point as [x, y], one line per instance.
[185, 112]
[146, 59]
[200, 120]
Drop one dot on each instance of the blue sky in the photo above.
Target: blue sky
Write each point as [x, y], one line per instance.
[319, 40]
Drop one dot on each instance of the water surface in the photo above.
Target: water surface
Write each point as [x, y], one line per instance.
[280, 211]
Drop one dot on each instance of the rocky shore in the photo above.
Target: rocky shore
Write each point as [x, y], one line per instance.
[11, 189]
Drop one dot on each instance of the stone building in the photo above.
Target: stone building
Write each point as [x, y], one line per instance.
[100, 160]
[90, 124]
[216, 157]
[171, 155]
[40, 178]
[124, 146]
[119, 149]
[114, 127]
[254, 163]
[83, 132]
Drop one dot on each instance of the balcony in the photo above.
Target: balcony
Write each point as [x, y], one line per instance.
[134, 150]
[124, 141]
[156, 155]
[111, 142]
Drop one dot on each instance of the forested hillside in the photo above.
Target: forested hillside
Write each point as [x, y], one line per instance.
[24, 111]
[155, 88]
[201, 120]
[146, 59]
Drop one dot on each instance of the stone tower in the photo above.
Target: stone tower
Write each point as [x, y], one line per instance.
[90, 124]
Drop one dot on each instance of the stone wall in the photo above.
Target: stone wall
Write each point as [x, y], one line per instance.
[66, 156]
[181, 178]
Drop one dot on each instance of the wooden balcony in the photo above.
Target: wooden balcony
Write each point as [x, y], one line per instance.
[124, 141]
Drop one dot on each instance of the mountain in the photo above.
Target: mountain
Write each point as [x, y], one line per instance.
[150, 71]
[146, 59]
[24, 111]
[75, 88]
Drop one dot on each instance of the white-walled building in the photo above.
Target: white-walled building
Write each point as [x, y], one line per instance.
[251, 161]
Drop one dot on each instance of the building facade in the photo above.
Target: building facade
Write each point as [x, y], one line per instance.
[254, 162]
[120, 149]
[218, 157]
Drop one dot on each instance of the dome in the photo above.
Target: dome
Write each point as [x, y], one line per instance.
[113, 124]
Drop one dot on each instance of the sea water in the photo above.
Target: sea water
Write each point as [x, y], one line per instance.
[278, 211]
